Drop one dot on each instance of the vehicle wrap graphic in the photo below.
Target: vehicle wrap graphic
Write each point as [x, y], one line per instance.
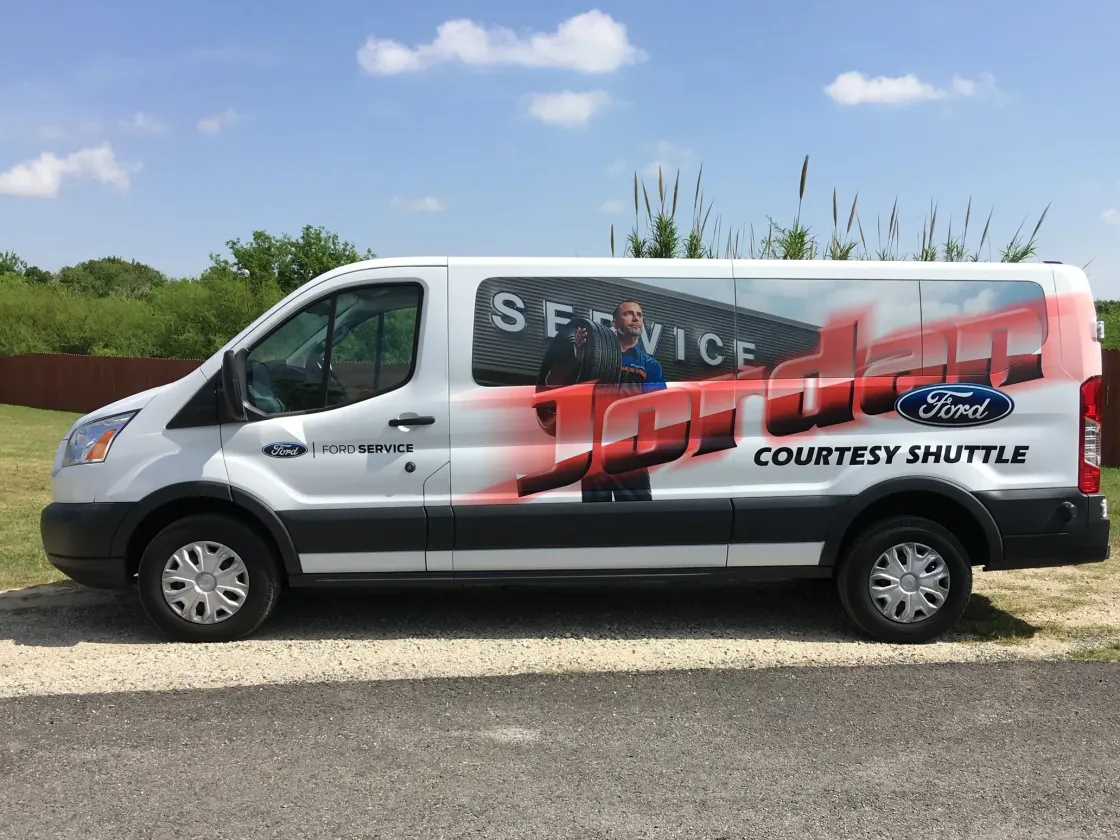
[855, 375]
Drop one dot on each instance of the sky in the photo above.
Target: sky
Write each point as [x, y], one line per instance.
[158, 131]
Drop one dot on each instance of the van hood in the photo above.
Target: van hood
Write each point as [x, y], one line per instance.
[133, 402]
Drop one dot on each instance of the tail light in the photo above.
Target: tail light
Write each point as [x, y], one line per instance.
[1089, 463]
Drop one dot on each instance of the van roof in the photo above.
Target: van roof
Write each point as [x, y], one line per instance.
[937, 267]
[1069, 277]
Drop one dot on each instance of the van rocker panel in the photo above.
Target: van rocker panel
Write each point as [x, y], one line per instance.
[394, 528]
[592, 524]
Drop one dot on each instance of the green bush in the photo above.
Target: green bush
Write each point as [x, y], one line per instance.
[116, 307]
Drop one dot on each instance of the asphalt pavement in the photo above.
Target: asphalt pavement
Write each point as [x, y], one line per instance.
[1016, 750]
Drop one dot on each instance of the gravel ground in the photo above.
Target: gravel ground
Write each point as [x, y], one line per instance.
[64, 639]
[1024, 750]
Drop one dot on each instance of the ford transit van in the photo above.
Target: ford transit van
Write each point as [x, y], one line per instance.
[891, 426]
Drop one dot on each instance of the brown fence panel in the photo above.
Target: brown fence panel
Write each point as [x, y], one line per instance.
[82, 383]
[1110, 410]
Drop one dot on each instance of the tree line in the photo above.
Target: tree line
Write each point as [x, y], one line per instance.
[117, 307]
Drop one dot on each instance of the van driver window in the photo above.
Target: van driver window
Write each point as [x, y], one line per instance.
[340, 350]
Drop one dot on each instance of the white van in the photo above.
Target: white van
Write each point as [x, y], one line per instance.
[888, 425]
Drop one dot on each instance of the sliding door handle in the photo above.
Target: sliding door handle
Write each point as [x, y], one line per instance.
[412, 421]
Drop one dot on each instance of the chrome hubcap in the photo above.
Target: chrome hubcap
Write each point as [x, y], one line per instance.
[205, 582]
[909, 582]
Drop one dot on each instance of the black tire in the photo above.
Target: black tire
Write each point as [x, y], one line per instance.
[856, 568]
[261, 566]
[562, 366]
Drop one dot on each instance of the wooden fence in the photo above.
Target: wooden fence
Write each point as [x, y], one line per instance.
[84, 383]
[1110, 410]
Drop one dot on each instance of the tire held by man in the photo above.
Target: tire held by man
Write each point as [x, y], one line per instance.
[563, 365]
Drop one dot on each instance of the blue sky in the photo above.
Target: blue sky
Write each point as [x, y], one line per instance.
[517, 130]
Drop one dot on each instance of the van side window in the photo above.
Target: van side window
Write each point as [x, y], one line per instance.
[990, 333]
[669, 329]
[373, 346]
[339, 350]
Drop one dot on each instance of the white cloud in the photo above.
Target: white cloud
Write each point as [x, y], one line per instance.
[1112, 216]
[854, 88]
[612, 206]
[965, 87]
[568, 108]
[142, 122]
[216, 122]
[592, 42]
[424, 204]
[43, 176]
[669, 159]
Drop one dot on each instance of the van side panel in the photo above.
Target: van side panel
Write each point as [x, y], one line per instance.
[529, 459]
[811, 422]
[827, 421]
[1076, 316]
[784, 403]
[1002, 335]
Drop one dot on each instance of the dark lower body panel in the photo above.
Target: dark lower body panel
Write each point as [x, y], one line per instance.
[1037, 528]
[78, 541]
[1048, 527]
[94, 572]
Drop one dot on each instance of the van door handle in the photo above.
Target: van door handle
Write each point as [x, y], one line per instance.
[412, 421]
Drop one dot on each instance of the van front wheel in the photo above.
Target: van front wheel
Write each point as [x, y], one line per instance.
[905, 579]
[208, 578]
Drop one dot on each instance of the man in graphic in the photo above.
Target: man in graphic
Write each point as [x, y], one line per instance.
[638, 369]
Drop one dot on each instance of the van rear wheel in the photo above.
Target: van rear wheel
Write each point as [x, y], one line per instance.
[905, 579]
[208, 578]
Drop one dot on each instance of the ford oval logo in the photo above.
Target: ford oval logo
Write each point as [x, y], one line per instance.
[284, 450]
[955, 404]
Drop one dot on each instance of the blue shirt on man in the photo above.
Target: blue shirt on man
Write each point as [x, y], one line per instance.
[648, 370]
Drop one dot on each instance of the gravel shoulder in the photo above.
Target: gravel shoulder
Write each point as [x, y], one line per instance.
[65, 639]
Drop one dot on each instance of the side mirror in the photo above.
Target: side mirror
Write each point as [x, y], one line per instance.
[233, 383]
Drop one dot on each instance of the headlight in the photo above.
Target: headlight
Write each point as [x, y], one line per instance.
[89, 443]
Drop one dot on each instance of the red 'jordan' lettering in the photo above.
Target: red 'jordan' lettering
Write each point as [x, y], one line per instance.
[848, 376]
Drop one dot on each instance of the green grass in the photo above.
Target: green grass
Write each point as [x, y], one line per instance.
[26, 449]
[1103, 654]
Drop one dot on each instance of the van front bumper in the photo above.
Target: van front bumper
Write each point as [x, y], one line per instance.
[78, 541]
[1042, 528]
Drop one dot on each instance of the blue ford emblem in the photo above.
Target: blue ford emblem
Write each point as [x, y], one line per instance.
[955, 404]
[284, 450]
